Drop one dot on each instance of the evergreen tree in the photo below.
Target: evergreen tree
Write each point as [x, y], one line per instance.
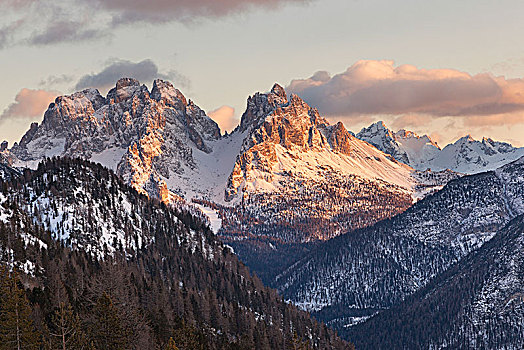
[67, 328]
[189, 338]
[107, 331]
[296, 343]
[16, 327]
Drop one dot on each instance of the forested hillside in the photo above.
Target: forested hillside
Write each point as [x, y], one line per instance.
[476, 304]
[104, 267]
[353, 276]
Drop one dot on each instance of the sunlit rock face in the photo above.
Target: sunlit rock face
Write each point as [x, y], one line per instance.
[283, 132]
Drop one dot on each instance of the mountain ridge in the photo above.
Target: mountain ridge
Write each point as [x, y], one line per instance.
[487, 303]
[465, 155]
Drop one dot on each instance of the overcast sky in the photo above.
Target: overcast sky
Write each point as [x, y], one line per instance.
[444, 68]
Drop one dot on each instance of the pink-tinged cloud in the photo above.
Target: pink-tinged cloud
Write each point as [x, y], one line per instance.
[410, 121]
[435, 136]
[225, 118]
[378, 87]
[125, 11]
[29, 104]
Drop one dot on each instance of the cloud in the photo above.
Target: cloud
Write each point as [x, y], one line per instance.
[495, 120]
[65, 31]
[29, 104]
[153, 11]
[7, 32]
[144, 71]
[509, 66]
[225, 118]
[56, 80]
[378, 87]
[410, 121]
[47, 22]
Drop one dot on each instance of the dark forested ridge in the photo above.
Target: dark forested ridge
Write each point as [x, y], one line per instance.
[103, 267]
[476, 304]
[351, 277]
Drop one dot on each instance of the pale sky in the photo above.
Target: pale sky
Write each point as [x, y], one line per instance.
[445, 68]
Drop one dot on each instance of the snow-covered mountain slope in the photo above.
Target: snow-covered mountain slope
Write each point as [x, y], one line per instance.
[476, 304]
[471, 156]
[165, 146]
[371, 269]
[405, 146]
[466, 155]
[89, 208]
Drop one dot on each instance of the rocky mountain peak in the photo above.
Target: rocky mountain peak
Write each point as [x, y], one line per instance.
[6, 158]
[144, 137]
[124, 89]
[407, 134]
[261, 105]
[279, 91]
[125, 82]
[379, 129]
[465, 139]
[3, 146]
[340, 139]
[290, 123]
[165, 91]
[380, 136]
[285, 131]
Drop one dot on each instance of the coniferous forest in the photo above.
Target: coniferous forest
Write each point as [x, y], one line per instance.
[88, 263]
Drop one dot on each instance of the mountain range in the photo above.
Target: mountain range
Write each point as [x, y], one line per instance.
[476, 304]
[283, 159]
[465, 155]
[350, 227]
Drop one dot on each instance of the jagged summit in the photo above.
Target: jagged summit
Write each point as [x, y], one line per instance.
[405, 146]
[468, 155]
[285, 131]
[260, 105]
[144, 136]
[278, 90]
[465, 139]
[165, 91]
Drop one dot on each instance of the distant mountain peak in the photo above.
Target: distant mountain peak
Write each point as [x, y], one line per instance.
[465, 139]
[165, 91]
[125, 82]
